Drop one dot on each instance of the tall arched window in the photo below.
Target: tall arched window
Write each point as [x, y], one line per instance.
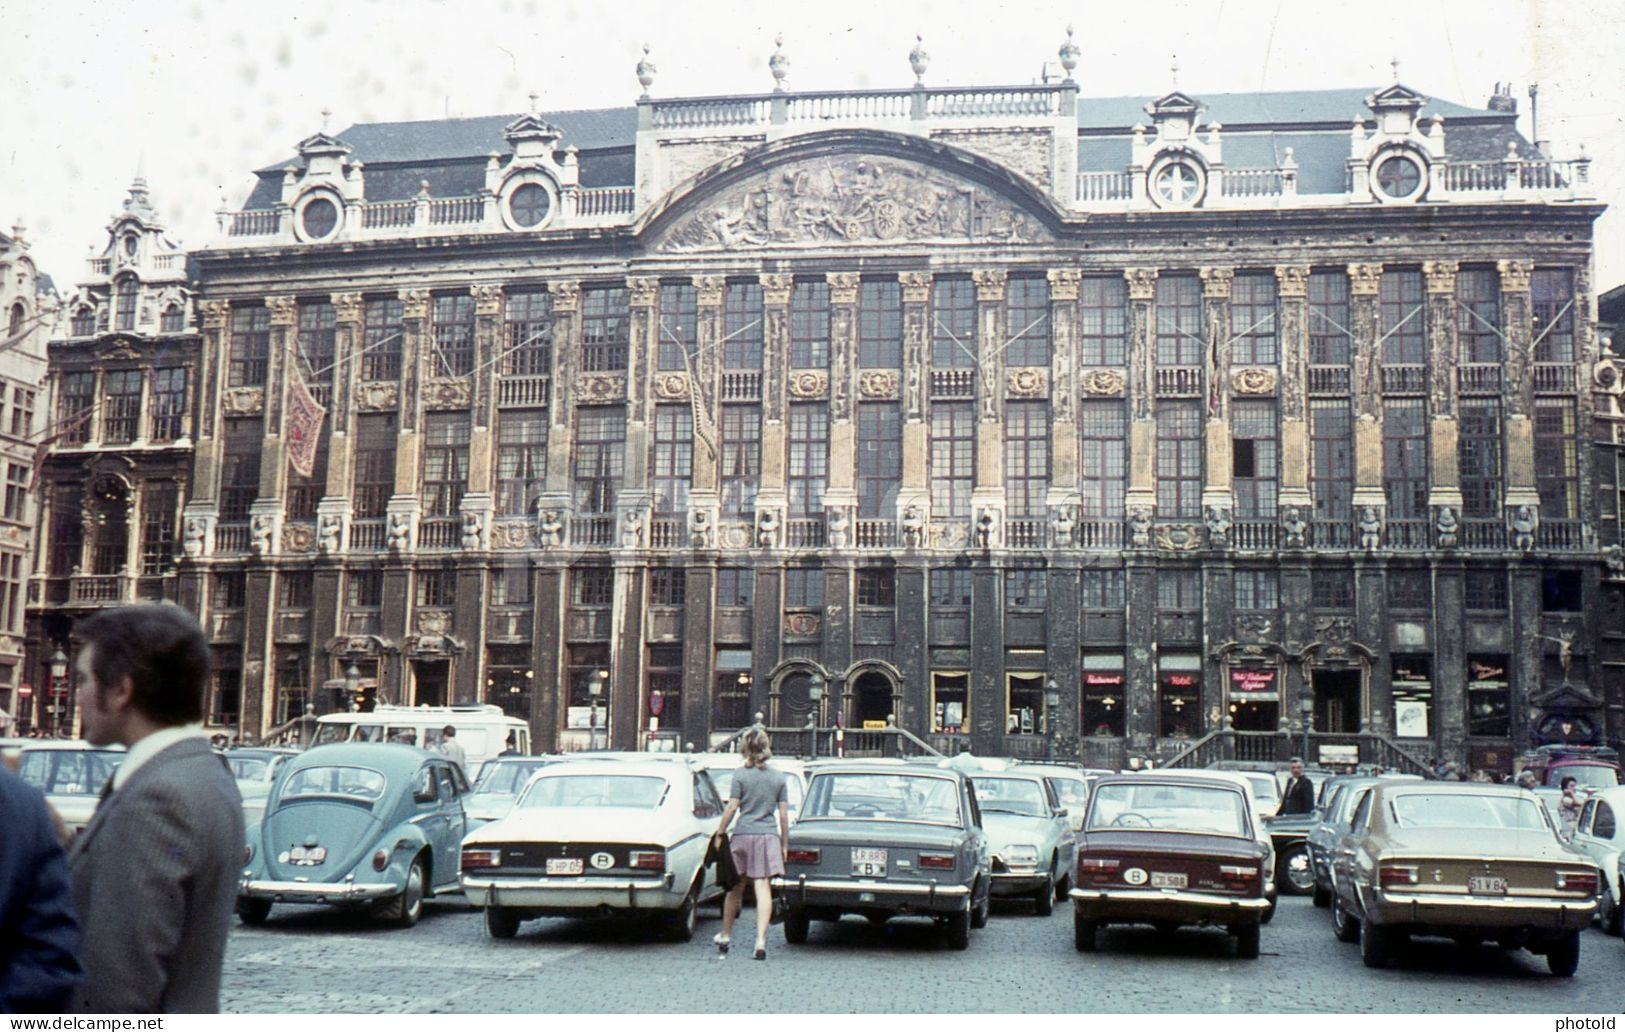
[174, 319]
[84, 321]
[124, 298]
[15, 325]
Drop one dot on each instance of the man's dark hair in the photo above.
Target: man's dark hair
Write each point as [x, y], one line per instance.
[1566, 782]
[448, 732]
[160, 647]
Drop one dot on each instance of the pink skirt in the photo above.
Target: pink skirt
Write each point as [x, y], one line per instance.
[757, 856]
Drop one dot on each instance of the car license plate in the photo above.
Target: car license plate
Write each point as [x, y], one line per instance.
[1484, 885]
[1168, 880]
[564, 865]
[868, 863]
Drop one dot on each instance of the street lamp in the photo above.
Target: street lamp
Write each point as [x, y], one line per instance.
[1306, 706]
[815, 696]
[59, 670]
[352, 685]
[595, 688]
[1052, 702]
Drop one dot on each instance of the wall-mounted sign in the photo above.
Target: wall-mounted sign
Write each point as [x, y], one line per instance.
[1249, 679]
[1179, 680]
[1095, 680]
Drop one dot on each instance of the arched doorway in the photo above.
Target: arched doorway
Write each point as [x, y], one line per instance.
[872, 697]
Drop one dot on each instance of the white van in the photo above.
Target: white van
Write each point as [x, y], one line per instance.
[482, 730]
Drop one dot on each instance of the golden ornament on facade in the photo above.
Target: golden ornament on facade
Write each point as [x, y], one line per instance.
[298, 537]
[878, 384]
[1253, 381]
[243, 401]
[671, 386]
[1026, 382]
[601, 387]
[1104, 383]
[377, 396]
[446, 393]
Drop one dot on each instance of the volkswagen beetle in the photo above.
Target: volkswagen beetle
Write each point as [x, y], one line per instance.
[362, 824]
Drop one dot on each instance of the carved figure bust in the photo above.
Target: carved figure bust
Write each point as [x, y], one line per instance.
[838, 523]
[1448, 526]
[260, 534]
[1063, 524]
[767, 528]
[632, 529]
[550, 528]
[400, 532]
[913, 527]
[699, 529]
[1218, 526]
[327, 534]
[986, 522]
[473, 531]
[1524, 522]
[1370, 528]
[196, 534]
[1140, 527]
[1293, 526]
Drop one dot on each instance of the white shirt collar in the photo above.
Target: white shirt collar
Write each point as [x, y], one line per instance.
[151, 746]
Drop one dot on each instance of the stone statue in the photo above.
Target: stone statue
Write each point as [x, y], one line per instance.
[1293, 527]
[1565, 651]
[1448, 526]
[986, 522]
[400, 532]
[327, 534]
[1370, 528]
[1139, 523]
[196, 534]
[913, 527]
[632, 529]
[1524, 522]
[1063, 525]
[550, 528]
[1613, 556]
[259, 534]
[767, 528]
[473, 532]
[699, 529]
[839, 521]
[1218, 526]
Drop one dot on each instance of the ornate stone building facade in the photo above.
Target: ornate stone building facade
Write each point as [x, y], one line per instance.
[1024, 420]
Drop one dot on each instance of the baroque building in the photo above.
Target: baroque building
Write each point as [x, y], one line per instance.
[1021, 420]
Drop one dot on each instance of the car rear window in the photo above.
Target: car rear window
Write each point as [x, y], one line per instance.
[68, 772]
[623, 790]
[505, 778]
[1459, 810]
[1010, 795]
[358, 783]
[247, 768]
[1191, 808]
[887, 797]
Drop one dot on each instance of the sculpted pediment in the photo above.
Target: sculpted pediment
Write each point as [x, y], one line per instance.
[849, 198]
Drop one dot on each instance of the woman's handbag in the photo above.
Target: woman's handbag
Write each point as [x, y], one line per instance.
[719, 853]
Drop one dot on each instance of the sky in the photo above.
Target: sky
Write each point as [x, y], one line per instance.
[196, 94]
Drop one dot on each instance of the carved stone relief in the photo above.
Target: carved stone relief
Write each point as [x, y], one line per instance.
[1364, 278]
[684, 158]
[1104, 383]
[377, 396]
[1253, 381]
[243, 401]
[878, 384]
[1026, 382]
[809, 383]
[672, 386]
[298, 537]
[1021, 150]
[802, 625]
[445, 393]
[511, 534]
[1179, 537]
[594, 387]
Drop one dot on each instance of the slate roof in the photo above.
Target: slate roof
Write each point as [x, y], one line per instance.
[1297, 107]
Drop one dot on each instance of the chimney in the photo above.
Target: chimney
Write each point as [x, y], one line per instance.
[1502, 99]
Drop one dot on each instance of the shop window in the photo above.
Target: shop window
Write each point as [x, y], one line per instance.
[1179, 696]
[1413, 696]
[950, 703]
[1024, 704]
[1104, 704]
[1489, 697]
[665, 687]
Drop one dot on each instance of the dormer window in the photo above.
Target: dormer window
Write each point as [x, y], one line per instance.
[318, 218]
[131, 244]
[173, 320]
[1399, 177]
[529, 205]
[84, 321]
[14, 325]
[1177, 183]
[124, 297]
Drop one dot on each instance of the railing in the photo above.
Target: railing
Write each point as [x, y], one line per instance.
[1473, 176]
[1260, 746]
[254, 223]
[876, 534]
[101, 266]
[953, 383]
[1404, 379]
[450, 211]
[825, 107]
[1552, 175]
[607, 200]
[1100, 535]
[592, 531]
[1179, 381]
[1104, 186]
[706, 112]
[366, 535]
[1027, 534]
[1255, 535]
[1407, 534]
[1106, 753]
[668, 532]
[1252, 182]
[522, 391]
[1205, 751]
[440, 532]
[169, 262]
[231, 537]
[1560, 535]
[388, 214]
[804, 532]
[975, 103]
[823, 741]
[1274, 747]
[1331, 534]
[1478, 378]
[1333, 379]
[322, 393]
[744, 386]
[105, 588]
[1483, 534]
[1554, 377]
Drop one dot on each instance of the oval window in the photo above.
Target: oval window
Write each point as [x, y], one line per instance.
[1399, 178]
[319, 218]
[1177, 184]
[529, 205]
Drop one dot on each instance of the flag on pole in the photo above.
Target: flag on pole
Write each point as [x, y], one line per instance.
[42, 450]
[304, 417]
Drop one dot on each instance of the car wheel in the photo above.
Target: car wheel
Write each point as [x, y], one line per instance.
[681, 922]
[1322, 896]
[1608, 910]
[501, 922]
[1084, 932]
[1343, 924]
[958, 929]
[1269, 913]
[253, 911]
[404, 910]
[796, 926]
[1044, 899]
[1563, 956]
[1293, 872]
[1376, 944]
[1063, 886]
[980, 912]
[1246, 941]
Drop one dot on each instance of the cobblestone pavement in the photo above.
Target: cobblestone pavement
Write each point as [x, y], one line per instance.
[309, 959]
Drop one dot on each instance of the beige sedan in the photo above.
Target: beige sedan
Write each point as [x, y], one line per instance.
[1466, 861]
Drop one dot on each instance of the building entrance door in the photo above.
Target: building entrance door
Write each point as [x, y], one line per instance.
[430, 677]
[1337, 700]
[871, 698]
[1255, 716]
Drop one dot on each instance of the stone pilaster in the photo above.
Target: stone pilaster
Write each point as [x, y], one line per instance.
[489, 349]
[1140, 674]
[910, 653]
[642, 293]
[1216, 283]
[414, 356]
[1292, 292]
[1449, 724]
[341, 413]
[988, 493]
[548, 691]
[987, 687]
[1142, 486]
[916, 490]
[626, 716]
[841, 492]
[1365, 281]
[1516, 315]
[1444, 489]
[566, 299]
[206, 459]
[1063, 321]
[274, 460]
[699, 683]
[770, 495]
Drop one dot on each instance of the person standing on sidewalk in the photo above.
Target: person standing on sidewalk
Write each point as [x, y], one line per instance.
[155, 871]
[39, 939]
[758, 847]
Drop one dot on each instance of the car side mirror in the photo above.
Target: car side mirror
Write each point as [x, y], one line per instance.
[1061, 812]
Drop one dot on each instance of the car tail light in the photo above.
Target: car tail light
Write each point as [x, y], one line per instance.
[380, 860]
[944, 861]
[647, 859]
[1237, 871]
[806, 856]
[1096, 863]
[473, 858]
[1578, 881]
[1396, 874]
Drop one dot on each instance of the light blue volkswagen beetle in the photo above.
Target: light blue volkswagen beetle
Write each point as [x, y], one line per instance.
[357, 824]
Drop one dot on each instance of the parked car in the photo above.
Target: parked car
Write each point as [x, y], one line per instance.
[483, 731]
[1462, 860]
[1031, 840]
[357, 824]
[593, 838]
[886, 841]
[1070, 785]
[499, 784]
[1331, 819]
[255, 770]
[1169, 850]
[722, 765]
[1256, 809]
[1591, 766]
[71, 774]
[1599, 836]
[11, 751]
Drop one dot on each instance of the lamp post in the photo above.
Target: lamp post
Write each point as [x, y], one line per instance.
[59, 670]
[1306, 706]
[815, 696]
[595, 688]
[1052, 702]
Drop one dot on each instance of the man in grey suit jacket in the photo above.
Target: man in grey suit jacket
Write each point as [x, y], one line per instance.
[155, 872]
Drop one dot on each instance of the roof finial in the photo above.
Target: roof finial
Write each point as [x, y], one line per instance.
[646, 72]
[1393, 62]
[1069, 54]
[1173, 68]
[327, 113]
[534, 98]
[778, 64]
[919, 60]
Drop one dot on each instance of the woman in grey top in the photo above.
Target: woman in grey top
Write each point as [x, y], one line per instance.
[757, 846]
